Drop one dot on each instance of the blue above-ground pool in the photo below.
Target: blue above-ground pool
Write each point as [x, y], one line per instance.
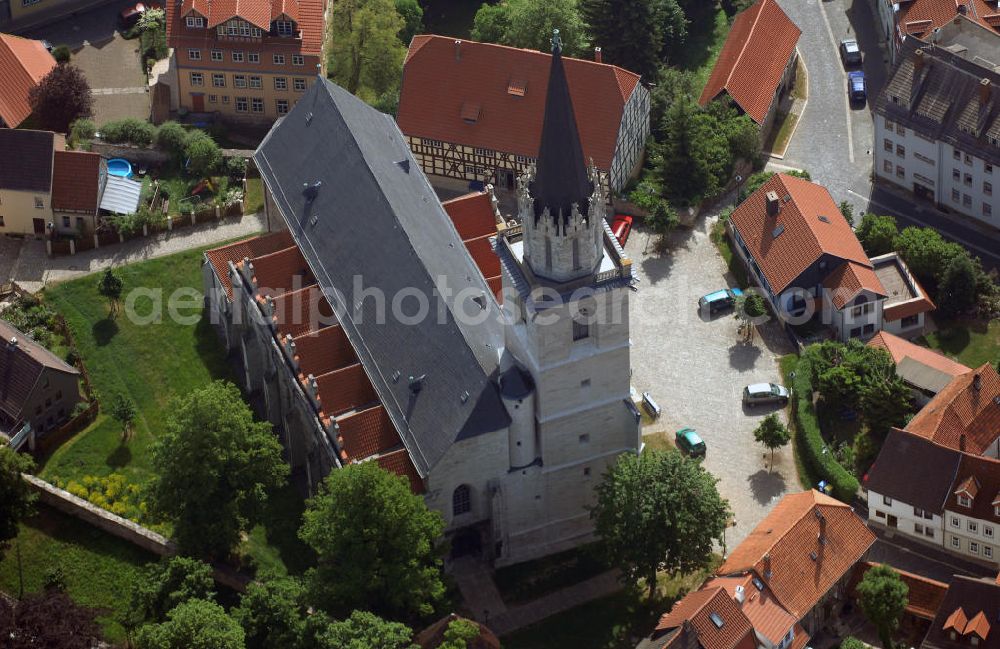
[120, 167]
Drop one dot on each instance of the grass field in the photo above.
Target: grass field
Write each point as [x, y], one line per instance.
[99, 568]
[971, 343]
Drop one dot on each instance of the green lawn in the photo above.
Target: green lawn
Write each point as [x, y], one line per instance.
[706, 34]
[971, 343]
[98, 567]
[255, 196]
[150, 363]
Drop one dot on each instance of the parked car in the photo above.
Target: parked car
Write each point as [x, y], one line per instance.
[130, 14]
[850, 53]
[765, 393]
[621, 226]
[719, 300]
[688, 442]
[857, 89]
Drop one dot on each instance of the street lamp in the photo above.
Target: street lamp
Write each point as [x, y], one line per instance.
[739, 185]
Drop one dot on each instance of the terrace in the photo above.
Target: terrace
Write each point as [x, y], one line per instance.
[905, 297]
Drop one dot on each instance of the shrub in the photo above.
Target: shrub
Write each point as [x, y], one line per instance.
[170, 137]
[236, 167]
[819, 460]
[82, 130]
[62, 54]
[202, 152]
[129, 130]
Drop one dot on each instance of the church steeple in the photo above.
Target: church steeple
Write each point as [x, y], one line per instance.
[561, 177]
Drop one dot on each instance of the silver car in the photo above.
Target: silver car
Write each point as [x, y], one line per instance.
[765, 393]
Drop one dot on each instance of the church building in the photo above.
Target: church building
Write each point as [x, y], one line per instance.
[486, 361]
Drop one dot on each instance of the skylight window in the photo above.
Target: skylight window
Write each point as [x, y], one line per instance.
[758, 584]
[717, 620]
[517, 87]
[777, 231]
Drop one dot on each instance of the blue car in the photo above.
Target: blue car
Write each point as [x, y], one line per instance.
[856, 88]
[719, 300]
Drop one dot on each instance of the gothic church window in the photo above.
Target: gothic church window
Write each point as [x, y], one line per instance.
[461, 500]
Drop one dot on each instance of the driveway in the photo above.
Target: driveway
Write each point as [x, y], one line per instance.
[696, 369]
[110, 63]
[9, 250]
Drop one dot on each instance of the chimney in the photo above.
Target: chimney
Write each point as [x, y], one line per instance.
[13, 341]
[984, 91]
[597, 55]
[977, 383]
[962, 8]
[458, 50]
[961, 442]
[773, 203]
[918, 61]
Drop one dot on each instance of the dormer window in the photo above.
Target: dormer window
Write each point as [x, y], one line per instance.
[237, 27]
[194, 21]
[284, 28]
[964, 501]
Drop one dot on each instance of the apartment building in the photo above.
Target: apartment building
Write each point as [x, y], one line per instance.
[248, 61]
[937, 130]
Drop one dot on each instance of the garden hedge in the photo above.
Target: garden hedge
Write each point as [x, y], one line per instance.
[810, 442]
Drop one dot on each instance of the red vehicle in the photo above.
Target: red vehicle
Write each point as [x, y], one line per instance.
[621, 226]
[130, 14]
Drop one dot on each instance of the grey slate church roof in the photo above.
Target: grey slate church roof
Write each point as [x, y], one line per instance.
[375, 216]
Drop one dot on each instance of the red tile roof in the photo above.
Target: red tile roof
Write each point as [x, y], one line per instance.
[472, 215]
[323, 351]
[236, 252]
[76, 181]
[440, 78]
[768, 617]
[781, 549]
[284, 270]
[399, 462]
[367, 433]
[297, 313]
[308, 15]
[345, 389]
[918, 17]
[978, 477]
[962, 414]
[900, 348]
[699, 607]
[847, 280]
[23, 64]
[803, 236]
[925, 595]
[753, 59]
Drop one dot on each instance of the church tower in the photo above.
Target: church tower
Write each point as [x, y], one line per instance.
[567, 375]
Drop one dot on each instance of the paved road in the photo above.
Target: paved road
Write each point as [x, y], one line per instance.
[834, 140]
[110, 63]
[696, 369]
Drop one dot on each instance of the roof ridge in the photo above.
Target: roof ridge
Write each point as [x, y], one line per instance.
[746, 42]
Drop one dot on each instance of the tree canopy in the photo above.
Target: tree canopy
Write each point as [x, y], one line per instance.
[110, 286]
[413, 19]
[883, 596]
[272, 613]
[365, 51]
[15, 494]
[62, 96]
[164, 586]
[877, 234]
[123, 409]
[195, 624]
[958, 289]
[459, 634]
[376, 544]
[362, 630]
[217, 466]
[635, 34]
[529, 24]
[772, 434]
[658, 510]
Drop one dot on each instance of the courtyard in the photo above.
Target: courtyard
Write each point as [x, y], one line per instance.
[696, 367]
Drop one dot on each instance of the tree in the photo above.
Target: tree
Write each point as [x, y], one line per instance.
[365, 54]
[850, 642]
[958, 290]
[123, 409]
[658, 511]
[15, 495]
[694, 155]
[272, 613]
[49, 619]
[216, 467]
[748, 307]
[529, 24]
[62, 54]
[110, 286]
[362, 630]
[166, 585]
[633, 34]
[413, 19]
[672, 84]
[376, 545]
[663, 218]
[877, 234]
[926, 253]
[203, 154]
[840, 386]
[195, 624]
[772, 434]
[62, 96]
[886, 401]
[847, 210]
[459, 634]
[883, 596]
[171, 138]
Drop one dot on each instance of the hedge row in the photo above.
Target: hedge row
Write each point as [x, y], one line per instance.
[810, 442]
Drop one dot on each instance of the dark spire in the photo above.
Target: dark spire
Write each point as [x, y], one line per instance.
[561, 173]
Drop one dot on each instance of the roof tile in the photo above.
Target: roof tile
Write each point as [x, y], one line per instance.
[23, 64]
[76, 181]
[961, 413]
[236, 252]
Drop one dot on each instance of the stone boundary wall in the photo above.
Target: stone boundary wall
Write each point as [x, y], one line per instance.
[132, 153]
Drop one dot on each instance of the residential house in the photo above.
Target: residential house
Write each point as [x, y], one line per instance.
[969, 616]
[925, 19]
[803, 254]
[45, 189]
[924, 598]
[22, 15]
[965, 415]
[926, 371]
[906, 303]
[756, 66]
[245, 61]
[23, 65]
[472, 112]
[36, 387]
[778, 587]
[455, 399]
[937, 130]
